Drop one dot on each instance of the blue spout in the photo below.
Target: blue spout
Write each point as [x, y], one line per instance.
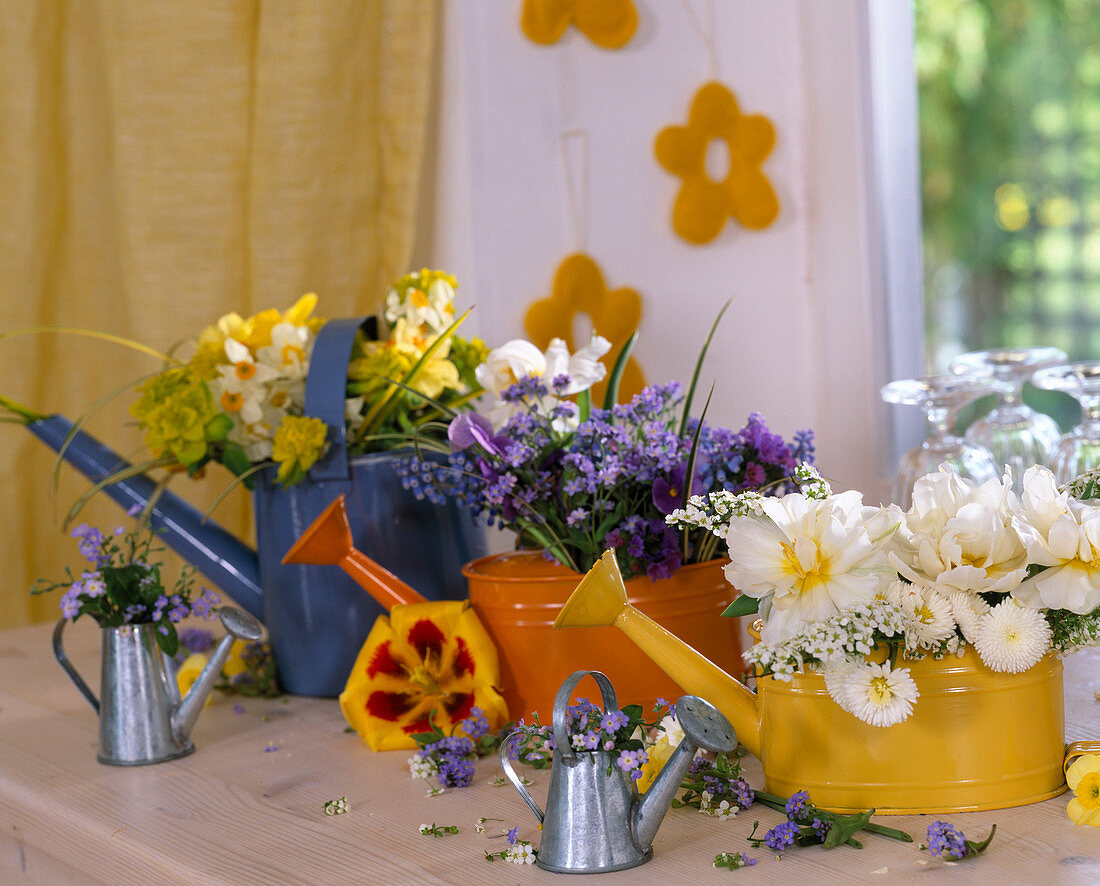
[217, 554]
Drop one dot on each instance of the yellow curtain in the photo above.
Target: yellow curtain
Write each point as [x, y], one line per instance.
[163, 163]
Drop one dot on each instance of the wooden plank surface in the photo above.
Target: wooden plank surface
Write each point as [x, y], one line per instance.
[247, 806]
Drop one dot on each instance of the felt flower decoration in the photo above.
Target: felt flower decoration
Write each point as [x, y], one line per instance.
[703, 204]
[424, 657]
[579, 288]
[608, 23]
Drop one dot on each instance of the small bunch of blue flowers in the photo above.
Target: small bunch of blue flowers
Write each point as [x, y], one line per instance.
[807, 825]
[573, 479]
[450, 759]
[123, 585]
[589, 728]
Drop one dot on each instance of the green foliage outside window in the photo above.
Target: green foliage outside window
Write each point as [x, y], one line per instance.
[1010, 172]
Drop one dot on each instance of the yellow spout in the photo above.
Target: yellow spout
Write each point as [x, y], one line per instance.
[600, 599]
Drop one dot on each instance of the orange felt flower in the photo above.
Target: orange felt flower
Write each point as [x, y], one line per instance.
[424, 657]
[703, 205]
[607, 23]
[579, 288]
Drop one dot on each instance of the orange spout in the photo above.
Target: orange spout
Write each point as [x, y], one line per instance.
[328, 541]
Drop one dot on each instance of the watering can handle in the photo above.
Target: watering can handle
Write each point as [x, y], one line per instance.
[1078, 749]
[516, 781]
[63, 660]
[561, 703]
[326, 393]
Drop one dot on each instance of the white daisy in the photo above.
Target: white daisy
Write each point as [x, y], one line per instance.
[878, 695]
[1011, 638]
[929, 619]
[967, 609]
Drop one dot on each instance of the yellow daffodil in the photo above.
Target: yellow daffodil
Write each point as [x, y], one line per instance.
[658, 755]
[235, 664]
[298, 443]
[1083, 778]
[438, 373]
[254, 333]
[424, 657]
[188, 672]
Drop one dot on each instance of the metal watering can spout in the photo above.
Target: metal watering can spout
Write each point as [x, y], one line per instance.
[222, 558]
[704, 727]
[238, 626]
[600, 599]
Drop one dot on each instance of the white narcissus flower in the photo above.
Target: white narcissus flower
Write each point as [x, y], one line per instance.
[963, 536]
[583, 368]
[807, 559]
[1063, 534]
[506, 365]
[518, 359]
[289, 351]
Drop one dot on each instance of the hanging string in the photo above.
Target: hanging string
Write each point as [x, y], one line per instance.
[574, 152]
[704, 30]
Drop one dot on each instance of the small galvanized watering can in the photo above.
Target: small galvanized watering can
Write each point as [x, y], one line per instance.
[142, 718]
[595, 820]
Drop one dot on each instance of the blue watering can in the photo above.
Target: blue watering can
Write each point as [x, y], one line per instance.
[317, 617]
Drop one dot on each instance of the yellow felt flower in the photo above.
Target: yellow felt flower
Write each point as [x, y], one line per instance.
[424, 657]
[579, 288]
[1083, 778]
[703, 204]
[298, 443]
[607, 23]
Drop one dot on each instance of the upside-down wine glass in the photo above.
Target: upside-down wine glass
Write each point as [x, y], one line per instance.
[1078, 450]
[1015, 434]
[940, 396]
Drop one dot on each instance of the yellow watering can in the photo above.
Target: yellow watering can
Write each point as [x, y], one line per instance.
[976, 739]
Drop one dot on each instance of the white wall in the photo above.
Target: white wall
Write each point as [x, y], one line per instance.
[806, 340]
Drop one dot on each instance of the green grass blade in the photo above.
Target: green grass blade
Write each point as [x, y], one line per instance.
[699, 367]
[382, 407]
[611, 395]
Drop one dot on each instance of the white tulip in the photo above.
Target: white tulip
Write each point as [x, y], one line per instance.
[1063, 534]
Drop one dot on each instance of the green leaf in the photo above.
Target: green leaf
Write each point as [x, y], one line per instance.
[611, 395]
[169, 643]
[845, 827]
[698, 368]
[976, 848]
[742, 605]
[584, 405]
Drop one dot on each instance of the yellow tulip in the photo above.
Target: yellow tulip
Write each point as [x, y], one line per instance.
[1083, 778]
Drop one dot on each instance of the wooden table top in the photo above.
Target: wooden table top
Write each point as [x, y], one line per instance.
[247, 806]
